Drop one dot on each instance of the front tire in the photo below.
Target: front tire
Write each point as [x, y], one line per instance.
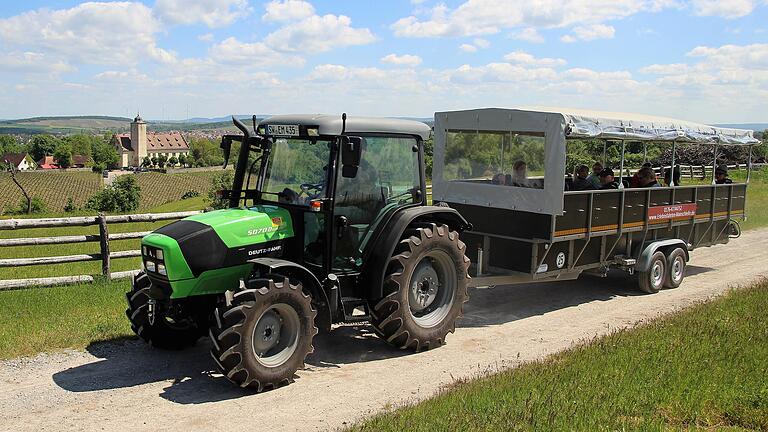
[652, 281]
[162, 332]
[263, 334]
[425, 289]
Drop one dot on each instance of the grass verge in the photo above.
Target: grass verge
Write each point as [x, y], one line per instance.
[47, 319]
[704, 367]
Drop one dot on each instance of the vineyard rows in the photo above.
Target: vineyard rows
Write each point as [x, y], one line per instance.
[56, 188]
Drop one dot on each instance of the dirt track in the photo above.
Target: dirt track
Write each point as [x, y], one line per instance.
[352, 373]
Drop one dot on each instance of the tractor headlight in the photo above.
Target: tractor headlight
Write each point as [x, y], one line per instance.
[150, 266]
[159, 254]
[161, 269]
[153, 259]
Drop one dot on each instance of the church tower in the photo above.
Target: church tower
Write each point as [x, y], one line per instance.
[138, 140]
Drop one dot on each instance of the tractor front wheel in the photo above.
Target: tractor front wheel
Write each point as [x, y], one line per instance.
[425, 289]
[263, 333]
[153, 322]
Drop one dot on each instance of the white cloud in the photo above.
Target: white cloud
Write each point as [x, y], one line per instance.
[528, 34]
[665, 69]
[588, 33]
[232, 51]
[481, 43]
[213, 13]
[726, 9]
[482, 17]
[96, 33]
[318, 34]
[468, 48]
[208, 37]
[525, 58]
[403, 60]
[32, 62]
[288, 10]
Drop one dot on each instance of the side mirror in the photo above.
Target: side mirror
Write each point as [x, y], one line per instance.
[226, 145]
[351, 152]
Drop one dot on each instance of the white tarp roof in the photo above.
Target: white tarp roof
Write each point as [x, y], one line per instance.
[639, 127]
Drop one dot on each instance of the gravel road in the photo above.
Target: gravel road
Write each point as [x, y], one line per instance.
[352, 374]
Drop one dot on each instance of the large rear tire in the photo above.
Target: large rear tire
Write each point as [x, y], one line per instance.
[652, 281]
[162, 331]
[263, 334]
[425, 289]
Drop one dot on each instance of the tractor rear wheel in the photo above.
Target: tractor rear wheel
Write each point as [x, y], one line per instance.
[160, 329]
[425, 289]
[263, 333]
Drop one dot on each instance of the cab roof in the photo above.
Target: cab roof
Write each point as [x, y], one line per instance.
[331, 124]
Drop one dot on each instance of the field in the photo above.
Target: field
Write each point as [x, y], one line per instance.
[56, 187]
[702, 368]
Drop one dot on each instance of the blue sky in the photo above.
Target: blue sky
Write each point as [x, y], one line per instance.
[701, 60]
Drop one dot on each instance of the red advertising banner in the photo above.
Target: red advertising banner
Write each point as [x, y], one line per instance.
[658, 213]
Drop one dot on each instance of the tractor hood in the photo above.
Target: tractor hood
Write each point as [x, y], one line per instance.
[216, 240]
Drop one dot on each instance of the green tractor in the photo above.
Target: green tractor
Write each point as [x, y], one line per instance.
[327, 223]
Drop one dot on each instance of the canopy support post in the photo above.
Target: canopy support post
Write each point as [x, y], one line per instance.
[714, 164]
[672, 167]
[645, 152]
[621, 167]
[749, 165]
[605, 148]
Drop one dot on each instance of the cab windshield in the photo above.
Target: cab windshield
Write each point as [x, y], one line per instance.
[296, 171]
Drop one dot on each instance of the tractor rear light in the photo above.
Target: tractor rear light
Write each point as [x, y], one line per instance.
[315, 205]
[161, 270]
[150, 266]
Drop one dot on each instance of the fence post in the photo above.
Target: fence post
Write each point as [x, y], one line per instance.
[104, 245]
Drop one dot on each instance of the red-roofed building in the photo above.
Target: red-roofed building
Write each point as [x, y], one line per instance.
[133, 147]
[47, 162]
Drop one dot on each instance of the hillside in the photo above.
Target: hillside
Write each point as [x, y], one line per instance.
[56, 187]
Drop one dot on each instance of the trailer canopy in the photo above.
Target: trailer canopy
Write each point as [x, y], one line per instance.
[478, 152]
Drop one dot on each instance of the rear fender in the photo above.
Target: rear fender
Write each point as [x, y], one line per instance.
[388, 235]
[666, 246]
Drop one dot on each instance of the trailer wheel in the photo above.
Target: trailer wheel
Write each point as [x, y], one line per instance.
[263, 334]
[162, 331]
[653, 280]
[425, 289]
[675, 268]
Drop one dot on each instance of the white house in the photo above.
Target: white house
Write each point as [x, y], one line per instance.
[22, 161]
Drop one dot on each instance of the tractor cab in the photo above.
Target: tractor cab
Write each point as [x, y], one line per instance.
[339, 179]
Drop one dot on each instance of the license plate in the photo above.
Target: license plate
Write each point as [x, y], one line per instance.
[283, 130]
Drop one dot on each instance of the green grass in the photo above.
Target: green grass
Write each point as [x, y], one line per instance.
[704, 367]
[40, 320]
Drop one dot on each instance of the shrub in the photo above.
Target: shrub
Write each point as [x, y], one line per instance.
[70, 206]
[37, 206]
[190, 194]
[122, 196]
[220, 182]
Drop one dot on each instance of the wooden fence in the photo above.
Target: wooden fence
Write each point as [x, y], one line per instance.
[103, 238]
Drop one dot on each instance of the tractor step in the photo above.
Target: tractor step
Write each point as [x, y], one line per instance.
[355, 309]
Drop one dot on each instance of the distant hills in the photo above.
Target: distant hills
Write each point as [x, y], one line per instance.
[104, 124]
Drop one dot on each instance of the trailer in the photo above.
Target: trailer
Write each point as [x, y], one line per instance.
[531, 229]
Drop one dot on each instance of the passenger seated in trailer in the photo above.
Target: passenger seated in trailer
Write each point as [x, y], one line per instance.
[646, 178]
[675, 177]
[597, 168]
[498, 179]
[581, 182]
[721, 175]
[607, 180]
[519, 176]
[634, 182]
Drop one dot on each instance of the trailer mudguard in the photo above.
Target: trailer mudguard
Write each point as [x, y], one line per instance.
[388, 234]
[295, 271]
[644, 260]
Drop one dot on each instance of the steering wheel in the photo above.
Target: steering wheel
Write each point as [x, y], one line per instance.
[313, 190]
